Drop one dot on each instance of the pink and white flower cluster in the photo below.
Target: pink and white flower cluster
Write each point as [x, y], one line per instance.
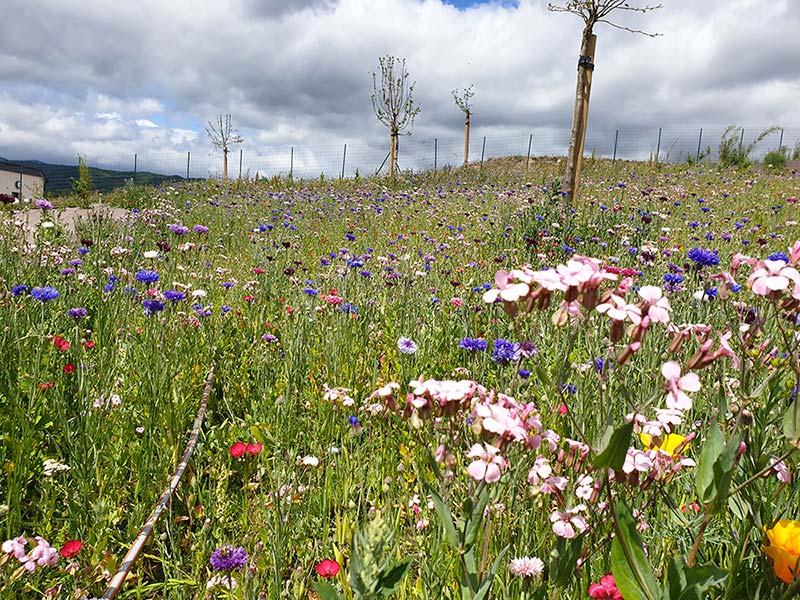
[41, 555]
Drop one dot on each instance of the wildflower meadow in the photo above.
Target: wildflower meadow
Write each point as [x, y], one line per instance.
[451, 387]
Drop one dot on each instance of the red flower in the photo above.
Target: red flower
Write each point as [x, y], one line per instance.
[238, 449]
[328, 568]
[71, 548]
[88, 344]
[249, 298]
[254, 449]
[258, 271]
[60, 343]
[69, 368]
[606, 589]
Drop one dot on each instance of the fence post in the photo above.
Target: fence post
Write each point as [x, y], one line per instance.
[344, 157]
[780, 143]
[483, 150]
[616, 140]
[435, 153]
[240, 163]
[291, 163]
[699, 143]
[658, 146]
[528, 160]
[135, 164]
[741, 140]
[188, 158]
[20, 182]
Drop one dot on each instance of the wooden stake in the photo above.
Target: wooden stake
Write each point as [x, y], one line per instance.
[466, 140]
[580, 113]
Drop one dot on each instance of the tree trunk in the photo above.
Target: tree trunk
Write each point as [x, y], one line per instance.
[392, 155]
[466, 140]
[580, 113]
[224, 164]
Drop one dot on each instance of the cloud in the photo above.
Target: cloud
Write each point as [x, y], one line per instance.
[146, 76]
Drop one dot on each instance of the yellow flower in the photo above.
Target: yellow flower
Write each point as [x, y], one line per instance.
[669, 443]
[784, 549]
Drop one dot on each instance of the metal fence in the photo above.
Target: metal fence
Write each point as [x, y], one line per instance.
[666, 144]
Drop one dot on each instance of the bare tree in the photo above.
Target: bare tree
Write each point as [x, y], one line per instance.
[592, 12]
[463, 102]
[393, 103]
[222, 135]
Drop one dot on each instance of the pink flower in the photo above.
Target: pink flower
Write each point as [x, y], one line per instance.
[527, 566]
[487, 467]
[658, 306]
[606, 589]
[16, 547]
[238, 449]
[506, 288]
[618, 310]
[570, 523]
[771, 277]
[43, 554]
[677, 386]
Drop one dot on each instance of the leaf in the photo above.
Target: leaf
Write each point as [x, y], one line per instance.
[723, 472]
[326, 591]
[390, 578]
[613, 456]
[629, 564]
[690, 583]
[476, 518]
[704, 475]
[563, 557]
[447, 521]
[487, 583]
[791, 422]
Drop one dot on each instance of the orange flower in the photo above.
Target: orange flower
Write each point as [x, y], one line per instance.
[784, 549]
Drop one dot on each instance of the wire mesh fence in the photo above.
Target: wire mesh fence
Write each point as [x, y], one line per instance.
[664, 144]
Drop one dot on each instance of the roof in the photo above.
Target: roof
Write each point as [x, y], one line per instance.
[7, 166]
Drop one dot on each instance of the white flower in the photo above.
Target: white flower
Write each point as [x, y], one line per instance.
[309, 461]
[527, 566]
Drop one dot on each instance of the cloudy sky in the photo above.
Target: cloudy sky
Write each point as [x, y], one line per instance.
[111, 77]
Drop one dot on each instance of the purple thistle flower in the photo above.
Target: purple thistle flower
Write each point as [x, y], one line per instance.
[228, 558]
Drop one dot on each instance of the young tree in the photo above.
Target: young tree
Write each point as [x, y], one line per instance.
[463, 102]
[393, 103]
[592, 12]
[222, 135]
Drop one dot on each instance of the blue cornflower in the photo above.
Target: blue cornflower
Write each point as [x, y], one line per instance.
[152, 306]
[310, 291]
[406, 345]
[77, 312]
[45, 293]
[473, 344]
[348, 308]
[351, 237]
[524, 373]
[673, 278]
[353, 420]
[178, 229]
[225, 309]
[174, 295]
[146, 276]
[504, 351]
[17, 290]
[779, 256]
[570, 388]
[703, 257]
[201, 229]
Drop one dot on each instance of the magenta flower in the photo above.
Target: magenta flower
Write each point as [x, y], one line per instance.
[606, 589]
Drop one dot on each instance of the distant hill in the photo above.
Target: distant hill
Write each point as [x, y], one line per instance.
[60, 177]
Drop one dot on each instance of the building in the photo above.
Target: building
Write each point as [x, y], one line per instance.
[21, 182]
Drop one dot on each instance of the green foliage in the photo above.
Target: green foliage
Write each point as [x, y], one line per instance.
[777, 158]
[82, 187]
[732, 151]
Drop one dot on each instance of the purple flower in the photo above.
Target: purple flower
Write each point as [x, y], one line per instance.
[146, 276]
[406, 345]
[77, 312]
[178, 229]
[45, 293]
[44, 204]
[174, 295]
[152, 306]
[703, 257]
[17, 290]
[228, 558]
[504, 351]
[200, 229]
[473, 344]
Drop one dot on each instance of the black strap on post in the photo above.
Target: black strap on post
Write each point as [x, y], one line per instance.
[585, 61]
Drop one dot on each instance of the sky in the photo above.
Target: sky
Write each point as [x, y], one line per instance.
[103, 78]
